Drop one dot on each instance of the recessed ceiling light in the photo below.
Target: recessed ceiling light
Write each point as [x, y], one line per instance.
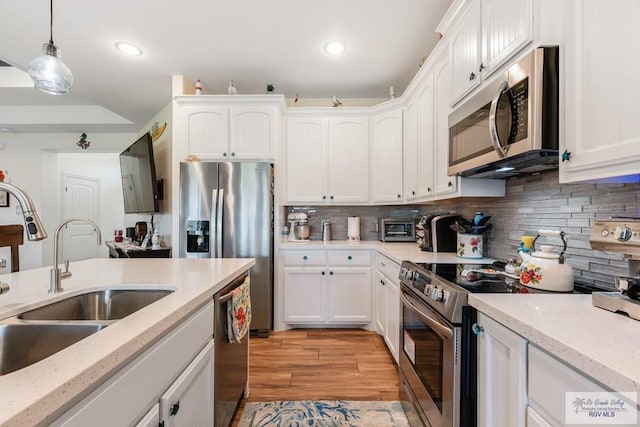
[335, 47]
[128, 48]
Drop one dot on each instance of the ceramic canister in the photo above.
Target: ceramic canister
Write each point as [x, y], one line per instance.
[469, 245]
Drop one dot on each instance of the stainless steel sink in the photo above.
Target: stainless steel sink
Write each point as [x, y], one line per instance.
[24, 344]
[109, 304]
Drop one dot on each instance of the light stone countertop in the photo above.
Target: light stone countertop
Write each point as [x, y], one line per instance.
[397, 251]
[40, 392]
[602, 344]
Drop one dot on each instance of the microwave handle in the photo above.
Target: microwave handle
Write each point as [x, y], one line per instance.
[493, 129]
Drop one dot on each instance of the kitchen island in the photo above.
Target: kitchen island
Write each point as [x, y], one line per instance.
[39, 393]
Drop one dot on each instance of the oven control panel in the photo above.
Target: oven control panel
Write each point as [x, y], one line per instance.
[616, 235]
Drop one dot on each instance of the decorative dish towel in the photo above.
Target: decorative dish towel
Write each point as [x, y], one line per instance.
[239, 312]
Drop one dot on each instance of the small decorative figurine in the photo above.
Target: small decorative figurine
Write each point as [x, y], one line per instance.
[231, 90]
[198, 87]
[295, 100]
[270, 88]
[83, 143]
[392, 92]
[336, 102]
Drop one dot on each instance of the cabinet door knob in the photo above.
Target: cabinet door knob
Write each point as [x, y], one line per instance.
[174, 408]
[233, 154]
[331, 197]
[382, 282]
[450, 184]
[305, 257]
[331, 273]
[477, 329]
[324, 197]
[482, 67]
[323, 273]
[472, 76]
[349, 257]
[382, 264]
[399, 196]
[428, 189]
[413, 193]
[566, 156]
[224, 154]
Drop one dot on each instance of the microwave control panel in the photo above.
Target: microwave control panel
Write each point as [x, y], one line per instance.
[616, 235]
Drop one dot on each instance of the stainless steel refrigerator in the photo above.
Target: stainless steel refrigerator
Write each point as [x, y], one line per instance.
[226, 211]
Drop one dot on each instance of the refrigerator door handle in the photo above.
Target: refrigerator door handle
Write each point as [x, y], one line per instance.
[219, 218]
[214, 217]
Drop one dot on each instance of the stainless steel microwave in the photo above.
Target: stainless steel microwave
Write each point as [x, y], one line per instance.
[510, 126]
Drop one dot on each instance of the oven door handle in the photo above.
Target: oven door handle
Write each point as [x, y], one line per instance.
[493, 127]
[439, 328]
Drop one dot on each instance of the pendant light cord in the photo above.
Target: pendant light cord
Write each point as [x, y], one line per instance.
[51, 21]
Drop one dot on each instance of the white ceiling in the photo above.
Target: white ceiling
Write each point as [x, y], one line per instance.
[253, 42]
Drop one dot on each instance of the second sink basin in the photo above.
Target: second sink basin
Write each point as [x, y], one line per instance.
[109, 304]
[22, 345]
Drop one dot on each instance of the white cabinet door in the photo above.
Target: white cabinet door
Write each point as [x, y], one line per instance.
[507, 26]
[189, 400]
[305, 294]
[386, 157]
[306, 162]
[443, 182]
[410, 149]
[426, 138]
[348, 160]
[252, 133]
[602, 130]
[465, 44]
[349, 295]
[381, 303]
[205, 130]
[392, 337]
[502, 375]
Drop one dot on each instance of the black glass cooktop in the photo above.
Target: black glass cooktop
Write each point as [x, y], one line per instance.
[480, 278]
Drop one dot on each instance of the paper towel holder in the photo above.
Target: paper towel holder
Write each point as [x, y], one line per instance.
[353, 228]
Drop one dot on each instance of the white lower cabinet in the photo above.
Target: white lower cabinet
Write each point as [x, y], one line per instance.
[387, 290]
[326, 287]
[179, 368]
[502, 375]
[189, 400]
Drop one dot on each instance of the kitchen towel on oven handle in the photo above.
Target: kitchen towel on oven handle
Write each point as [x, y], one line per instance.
[239, 312]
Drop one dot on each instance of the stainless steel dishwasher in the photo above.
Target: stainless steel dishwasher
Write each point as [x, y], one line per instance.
[231, 360]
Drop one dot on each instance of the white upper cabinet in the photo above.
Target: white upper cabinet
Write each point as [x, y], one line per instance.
[425, 153]
[348, 155]
[218, 127]
[386, 157]
[599, 67]
[466, 52]
[486, 35]
[410, 150]
[327, 159]
[507, 26]
[252, 133]
[443, 182]
[306, 159]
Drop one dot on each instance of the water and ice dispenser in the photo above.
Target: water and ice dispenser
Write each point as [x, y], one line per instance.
[197, 236]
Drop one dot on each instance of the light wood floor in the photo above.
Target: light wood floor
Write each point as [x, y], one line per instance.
[320, 364]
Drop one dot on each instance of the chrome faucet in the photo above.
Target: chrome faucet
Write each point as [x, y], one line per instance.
[56, 274]
[35, 229]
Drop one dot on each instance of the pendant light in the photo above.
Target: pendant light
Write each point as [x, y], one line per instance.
[48, 72]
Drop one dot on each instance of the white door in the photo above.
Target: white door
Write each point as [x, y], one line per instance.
[80, 199]
[349, 295]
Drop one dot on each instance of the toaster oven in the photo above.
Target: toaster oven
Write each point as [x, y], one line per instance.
[397, 230]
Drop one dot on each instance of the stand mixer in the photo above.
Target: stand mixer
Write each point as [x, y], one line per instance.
[299, 230]
[620, 235]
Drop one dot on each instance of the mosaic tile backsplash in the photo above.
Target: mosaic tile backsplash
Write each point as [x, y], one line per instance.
[532, 203]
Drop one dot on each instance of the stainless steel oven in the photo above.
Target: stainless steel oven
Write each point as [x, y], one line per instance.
[437, 354]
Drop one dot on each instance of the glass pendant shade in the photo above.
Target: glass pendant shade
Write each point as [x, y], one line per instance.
[48, 72]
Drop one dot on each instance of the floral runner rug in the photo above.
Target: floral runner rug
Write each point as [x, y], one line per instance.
[323, 413]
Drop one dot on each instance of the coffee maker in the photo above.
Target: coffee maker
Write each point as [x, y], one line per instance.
[299, 229]
[621, 235]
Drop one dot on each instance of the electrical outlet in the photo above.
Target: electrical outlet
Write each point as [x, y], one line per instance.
[3, 263]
